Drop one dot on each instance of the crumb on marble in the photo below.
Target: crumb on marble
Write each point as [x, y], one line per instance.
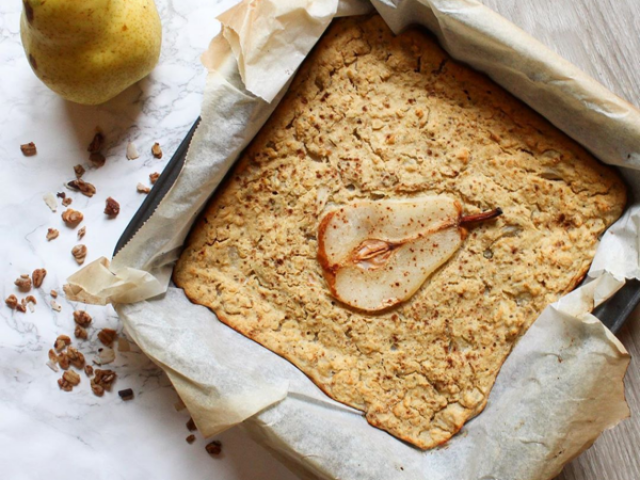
[29, 149]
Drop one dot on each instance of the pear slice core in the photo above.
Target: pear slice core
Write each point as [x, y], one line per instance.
[376, 254]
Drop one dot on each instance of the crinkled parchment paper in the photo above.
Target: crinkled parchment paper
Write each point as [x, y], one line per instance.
[561, 386]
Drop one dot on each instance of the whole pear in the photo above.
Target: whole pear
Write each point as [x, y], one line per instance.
[88, 51]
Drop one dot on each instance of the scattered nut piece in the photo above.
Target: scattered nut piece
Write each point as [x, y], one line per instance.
[76, 358]
[82, 232]
[11, 301]
[79, 170]
[56, 306]
[104, 356]
[52, 233]
[157, 152]
[69, 380]
[103, 378]
[72, 217]
[61, 195]
[64, 385]
[82, 318]
[80, 332]
[88, 370]
[52, 366]
[126, 394]
[38, 277]
[97, 142]
[22, 306]
[63, 361]
[79, 185]
[142, 188]
[31, 301]
[67, 201]
[190, 439]
[79, 252]
[61, 342]
[123, 345]
[153, 177]
[191, 425]
[97, 159]
[132, 151]
[28, 149]
[23, 283]
[50, 199]
[112, 207]
[53, 357]
[53, 293]
[97, 390]
[214, 448]
[107, 336]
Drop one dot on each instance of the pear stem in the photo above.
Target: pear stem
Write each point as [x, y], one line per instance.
[481, 217]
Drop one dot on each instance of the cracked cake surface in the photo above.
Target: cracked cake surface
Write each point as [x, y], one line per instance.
[375, 116]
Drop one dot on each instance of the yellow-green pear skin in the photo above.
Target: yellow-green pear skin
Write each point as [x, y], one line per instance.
[88, 51]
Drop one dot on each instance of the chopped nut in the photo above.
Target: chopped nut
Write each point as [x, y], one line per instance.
[190, 439]
[153, 177]
[22, 306]
[52, 233]
[67, 201]
[53, 366]
[104, 356]
[72, 377]
[23, 283]
[82, 318]
[38, 277]
[31, 299]
[97, 142]
[61, 195]
[82, 232]
[104, 378]
[132, 151]
[76, 358]
[81, 186]
[126, 394]
[88, 370]
[56, 306]
[107, 336]
[64, 385]
[112, 208]
[79, 170]
[72, 217]
[123, 345]
[80, 332]
[157, 152]
[97, 390]
[79, 252]
[97, 159]
[214, 448]
[61, 342]
[11, 301]
[50, 199]
[53, 293]
[63, 361]
[28, 149]
[191, 425]
[142, 188]
[53, 357]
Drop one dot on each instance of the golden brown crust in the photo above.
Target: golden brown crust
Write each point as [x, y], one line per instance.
[370, 116]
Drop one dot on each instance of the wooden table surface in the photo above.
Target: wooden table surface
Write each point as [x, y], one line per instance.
[602, 37]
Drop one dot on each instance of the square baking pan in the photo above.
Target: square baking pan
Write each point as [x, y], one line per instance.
[613, 313]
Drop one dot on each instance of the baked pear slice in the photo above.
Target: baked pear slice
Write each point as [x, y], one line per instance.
[376, 254]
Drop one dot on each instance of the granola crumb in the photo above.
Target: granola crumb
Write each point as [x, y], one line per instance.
[79, 171]
[61, 342]
[22, 306]
[126, 394]
[72, 217]
[11, 301]
[61, 195]
[191, 425]
[82, 318]
[56, 306]
[52, 234]
[153, 177]
[82, 232]
[80, 333]
[79, 252]
[112, 208]
[29, 149]
[132, 151]
[214, 448]
[190, 439]
[88, 370]
[156, 151]
[79, 185]
[23, 283]
[38, 277]
[53, 293]
[67, 201]
[107, 336]
[142, 188]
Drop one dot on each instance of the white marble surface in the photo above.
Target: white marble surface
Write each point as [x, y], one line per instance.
[45, 432]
